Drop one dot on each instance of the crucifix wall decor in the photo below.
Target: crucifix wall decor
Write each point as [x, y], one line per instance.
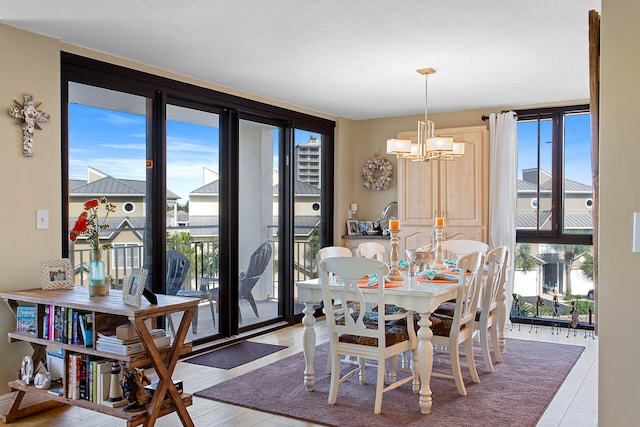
[28, 117]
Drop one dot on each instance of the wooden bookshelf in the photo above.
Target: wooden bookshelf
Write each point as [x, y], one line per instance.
[107, 311]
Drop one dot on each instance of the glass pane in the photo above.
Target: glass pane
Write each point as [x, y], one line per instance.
[577, 181]
[107, 153]
[535, 151]
[259, 208]
[307, 157]
[193, 211]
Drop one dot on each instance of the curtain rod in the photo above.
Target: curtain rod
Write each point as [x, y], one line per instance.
[485, 118]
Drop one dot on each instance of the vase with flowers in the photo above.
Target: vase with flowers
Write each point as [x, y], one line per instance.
[88, 225]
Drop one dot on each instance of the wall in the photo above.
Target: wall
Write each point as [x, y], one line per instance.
[619, 287]
[30, 64]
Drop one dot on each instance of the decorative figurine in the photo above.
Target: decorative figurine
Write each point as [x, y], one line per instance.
[133, 382]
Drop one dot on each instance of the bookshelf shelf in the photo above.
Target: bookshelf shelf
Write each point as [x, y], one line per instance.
[107, 311]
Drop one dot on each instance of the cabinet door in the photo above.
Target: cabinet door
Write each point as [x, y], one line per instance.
[463, 188]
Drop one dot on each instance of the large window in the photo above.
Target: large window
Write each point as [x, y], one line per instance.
[194, 173]
[553, 257]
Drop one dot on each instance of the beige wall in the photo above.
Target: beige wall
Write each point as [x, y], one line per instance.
[30, 64]
[619, 291]
[33, 185]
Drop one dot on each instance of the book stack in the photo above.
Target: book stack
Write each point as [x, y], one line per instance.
[108, 341]
[89, 378]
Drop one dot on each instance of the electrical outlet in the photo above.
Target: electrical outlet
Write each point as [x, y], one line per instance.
[42, 220]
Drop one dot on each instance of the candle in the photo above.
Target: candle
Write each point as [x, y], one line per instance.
[439, 221]
[394, 224]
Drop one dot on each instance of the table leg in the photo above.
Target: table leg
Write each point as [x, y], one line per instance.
[164, 369]
[502, 319]
[309, 345]
[425, 362]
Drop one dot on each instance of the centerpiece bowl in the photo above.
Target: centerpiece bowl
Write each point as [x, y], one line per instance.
[420, 257]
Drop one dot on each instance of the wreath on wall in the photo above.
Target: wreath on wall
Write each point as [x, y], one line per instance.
[376, 173]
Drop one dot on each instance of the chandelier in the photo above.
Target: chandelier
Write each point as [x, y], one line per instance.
[428, 146]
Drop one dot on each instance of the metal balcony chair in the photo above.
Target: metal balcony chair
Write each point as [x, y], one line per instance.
[177, 270]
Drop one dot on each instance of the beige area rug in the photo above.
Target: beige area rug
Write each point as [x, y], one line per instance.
[516, 394]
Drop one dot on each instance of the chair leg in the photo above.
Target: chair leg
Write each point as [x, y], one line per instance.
[170, 324]
[194, 321]
[484, 345]
[495, 343]
[468, 347]
[335, 377]
[213, 314]
[377, 408]
[252, 301]
[362, 374]
[454, 355]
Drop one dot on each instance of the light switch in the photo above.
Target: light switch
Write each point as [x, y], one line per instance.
[636, 233]
[42, 220]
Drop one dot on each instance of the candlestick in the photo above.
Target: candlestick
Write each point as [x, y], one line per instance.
[438, 262]
[394, 224]
[394, 257]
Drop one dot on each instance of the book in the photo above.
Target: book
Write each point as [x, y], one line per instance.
[45, 323]
[103, 380]
[128, 349]
[73, 387]
[86, 328]
[56, 391]
[110, 336]
[26, 315]
[81, 377]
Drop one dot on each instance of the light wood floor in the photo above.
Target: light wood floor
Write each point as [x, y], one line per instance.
[575, 404]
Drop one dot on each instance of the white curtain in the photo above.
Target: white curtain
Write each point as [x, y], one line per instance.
[503, 174]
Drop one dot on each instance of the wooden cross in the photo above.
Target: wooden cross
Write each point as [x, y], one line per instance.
[28, 116]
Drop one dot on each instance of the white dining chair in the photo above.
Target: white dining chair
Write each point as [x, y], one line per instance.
[365, 335]
[487, 322]
[457, 248]
[371, 250]
[451, 331]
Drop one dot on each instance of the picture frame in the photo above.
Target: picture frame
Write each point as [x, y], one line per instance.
[133, 286]
[353, 227]
[56, 274]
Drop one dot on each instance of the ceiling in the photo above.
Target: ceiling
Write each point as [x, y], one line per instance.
[355, 59]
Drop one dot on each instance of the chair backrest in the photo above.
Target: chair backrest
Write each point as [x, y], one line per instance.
[334, 251]
[469, 288]
[177, 269]
[371, 250]
[258, 262]
[463, 247]
[351, 270]
[496, 265]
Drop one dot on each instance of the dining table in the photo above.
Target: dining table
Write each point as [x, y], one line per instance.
[413, 293]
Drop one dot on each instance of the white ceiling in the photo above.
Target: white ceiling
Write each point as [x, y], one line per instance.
[354, 59]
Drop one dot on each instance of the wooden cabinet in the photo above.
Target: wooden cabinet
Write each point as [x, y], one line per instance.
[463, 190]
[107, 311]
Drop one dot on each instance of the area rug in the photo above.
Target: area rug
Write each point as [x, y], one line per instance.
[235, 355]
[516, 394]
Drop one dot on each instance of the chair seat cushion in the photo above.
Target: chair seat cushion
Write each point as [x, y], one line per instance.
[449, 307]
[441, 324]
[395, 331]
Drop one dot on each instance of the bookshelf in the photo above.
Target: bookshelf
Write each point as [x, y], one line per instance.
[107, 311]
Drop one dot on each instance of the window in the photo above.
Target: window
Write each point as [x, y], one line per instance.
[554, 176]
[126, 255]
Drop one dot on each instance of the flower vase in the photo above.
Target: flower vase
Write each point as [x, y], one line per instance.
[96, 275]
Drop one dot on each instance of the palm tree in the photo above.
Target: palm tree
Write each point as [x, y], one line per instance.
[524, 260]
[571, 254]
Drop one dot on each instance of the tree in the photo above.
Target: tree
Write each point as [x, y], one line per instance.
[524, 260]
[571, 254]
[587, 265]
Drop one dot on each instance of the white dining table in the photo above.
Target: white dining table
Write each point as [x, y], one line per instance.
[420, 297]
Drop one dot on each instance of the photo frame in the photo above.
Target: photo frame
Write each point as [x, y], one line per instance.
[56, 274]
[133, 286]
[353, 227]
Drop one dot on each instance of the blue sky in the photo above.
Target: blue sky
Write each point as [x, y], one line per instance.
[577, 147]
[115, 143]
